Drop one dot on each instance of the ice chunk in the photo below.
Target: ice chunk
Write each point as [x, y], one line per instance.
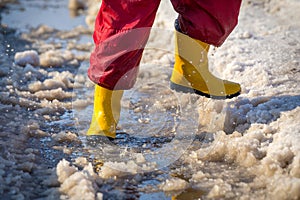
[118, 169]
[284, 152]
[81, 161]
[140, 158]
[232, 148]
[174, 184]
[198, 176]
[55, 58]
[80, 185]
[77, 184]
[51, 59]
[27, 57]
[64, 170]
[66, 137]
[282, 187]
[219, 190]
[53, 84]
[58, 94]
[62, 80]
[76, 4]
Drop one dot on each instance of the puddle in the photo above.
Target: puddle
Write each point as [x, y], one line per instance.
[154, 118]
[153, 124]
[31, 13]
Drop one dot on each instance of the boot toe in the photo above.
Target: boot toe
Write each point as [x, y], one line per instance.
[232, 89]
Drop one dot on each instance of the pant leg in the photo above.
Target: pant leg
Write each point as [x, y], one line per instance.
[210, 21]
[122, 28]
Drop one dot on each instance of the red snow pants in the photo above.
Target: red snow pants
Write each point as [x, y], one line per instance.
[122, 28]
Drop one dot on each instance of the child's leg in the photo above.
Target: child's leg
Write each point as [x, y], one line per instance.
[121, 31]
[199, 24]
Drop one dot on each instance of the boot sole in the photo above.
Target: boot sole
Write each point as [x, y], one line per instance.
[180, 88]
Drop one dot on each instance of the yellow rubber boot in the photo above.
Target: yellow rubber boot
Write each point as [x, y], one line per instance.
[191, 73]
[106, 114]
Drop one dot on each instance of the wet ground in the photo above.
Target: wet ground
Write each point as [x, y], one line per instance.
[161, 151]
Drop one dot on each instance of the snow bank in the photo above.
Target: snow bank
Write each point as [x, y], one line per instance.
[27, 57]
[281, 165]
[270, 151]
[283, 154]
[244, 150]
